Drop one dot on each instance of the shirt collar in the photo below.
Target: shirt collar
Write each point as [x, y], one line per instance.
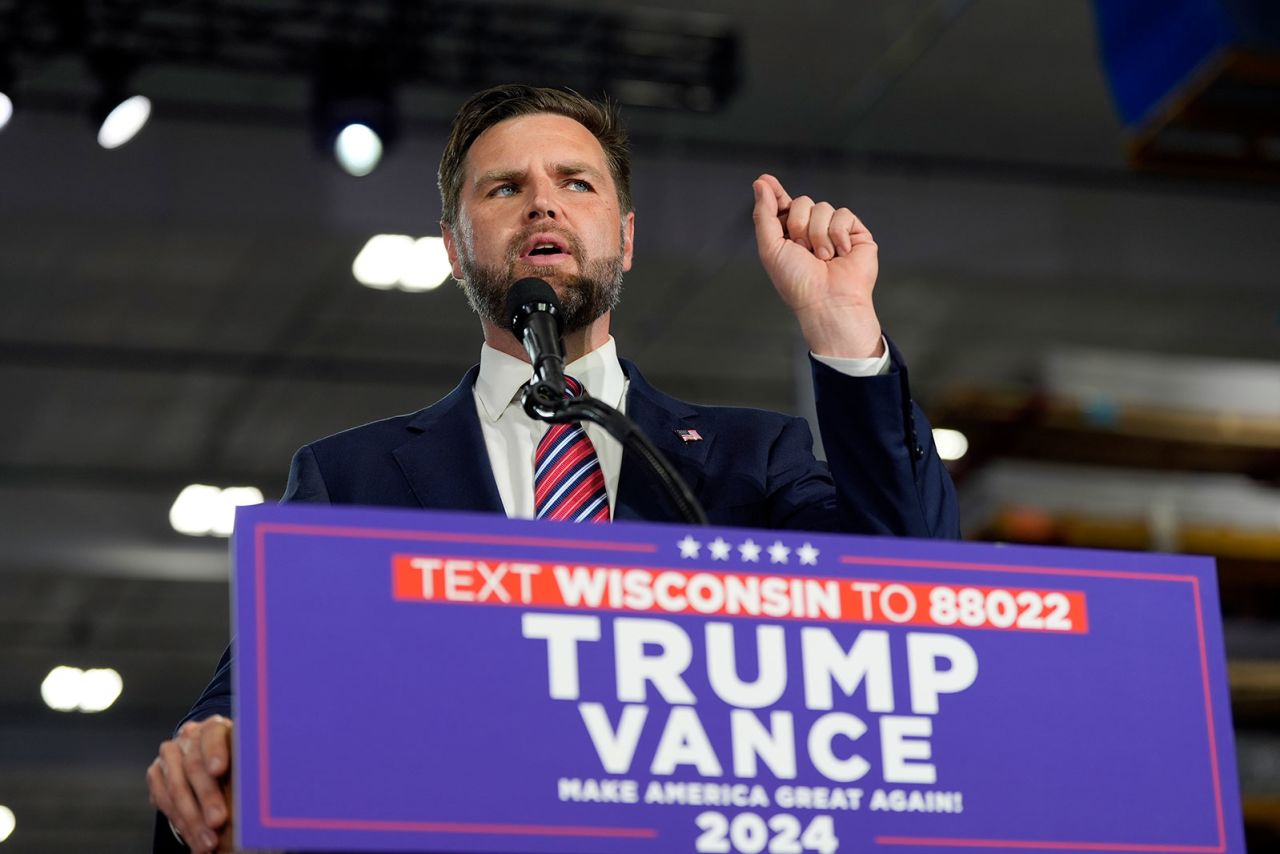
[502, 376]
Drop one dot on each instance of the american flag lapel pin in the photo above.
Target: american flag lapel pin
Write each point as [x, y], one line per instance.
[688, 436]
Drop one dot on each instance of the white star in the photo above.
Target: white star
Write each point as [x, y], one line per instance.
[750, 551]
[808, 554]
[689, 546]
[778, 552]
[719, 549]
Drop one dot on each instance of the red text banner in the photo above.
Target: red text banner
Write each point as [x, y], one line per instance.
[476, 581]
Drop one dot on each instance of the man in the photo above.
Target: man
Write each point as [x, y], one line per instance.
[537, 182]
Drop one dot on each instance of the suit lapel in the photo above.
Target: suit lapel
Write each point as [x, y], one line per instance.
[445, 460]
[659, 417]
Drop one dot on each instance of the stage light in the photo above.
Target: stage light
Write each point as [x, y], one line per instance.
[398, 261]
[8, 821]
[192, 509]
[379, 263]
[358, 148]
[100, 687]
[61, 688]
[951, 444]
[69, 689]
[123, 121]
[7, 88]
[201, 510]
[352, 111]
[428, 265]
[118, 111]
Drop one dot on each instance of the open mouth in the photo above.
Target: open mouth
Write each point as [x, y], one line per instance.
[545, 246]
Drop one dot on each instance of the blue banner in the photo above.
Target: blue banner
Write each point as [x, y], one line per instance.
[412, 681]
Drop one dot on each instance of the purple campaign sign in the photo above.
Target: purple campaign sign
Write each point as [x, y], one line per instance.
[412, 681]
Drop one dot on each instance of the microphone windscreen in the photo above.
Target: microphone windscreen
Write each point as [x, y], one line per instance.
[527, 296]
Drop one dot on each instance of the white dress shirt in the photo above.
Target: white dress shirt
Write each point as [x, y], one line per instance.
[511, 436]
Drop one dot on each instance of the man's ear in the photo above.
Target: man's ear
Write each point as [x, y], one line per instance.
[450, 247]
[628, 240]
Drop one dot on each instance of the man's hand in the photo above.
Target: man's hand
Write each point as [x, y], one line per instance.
[823, 262]
[185, 782]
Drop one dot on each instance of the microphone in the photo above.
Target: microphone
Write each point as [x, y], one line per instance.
[537, 320]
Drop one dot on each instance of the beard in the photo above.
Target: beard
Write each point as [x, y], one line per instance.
[585, 296]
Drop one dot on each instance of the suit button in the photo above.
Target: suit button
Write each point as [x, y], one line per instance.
[918, 450]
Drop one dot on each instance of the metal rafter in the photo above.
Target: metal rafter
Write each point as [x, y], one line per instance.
[666, 59]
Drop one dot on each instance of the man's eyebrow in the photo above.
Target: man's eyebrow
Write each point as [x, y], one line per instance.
[498, 175]
[576, 168]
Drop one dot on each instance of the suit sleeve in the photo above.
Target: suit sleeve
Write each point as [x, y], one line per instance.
[888, 476]
[216, 698]
[306, 482]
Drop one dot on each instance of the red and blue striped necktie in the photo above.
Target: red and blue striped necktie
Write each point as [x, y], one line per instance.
[568, 483]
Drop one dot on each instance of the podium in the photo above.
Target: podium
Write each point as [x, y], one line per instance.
[446, 682]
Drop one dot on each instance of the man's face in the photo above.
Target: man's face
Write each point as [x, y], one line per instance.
[537, 199]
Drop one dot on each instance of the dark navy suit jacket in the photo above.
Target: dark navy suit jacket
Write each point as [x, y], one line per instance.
[752, 468]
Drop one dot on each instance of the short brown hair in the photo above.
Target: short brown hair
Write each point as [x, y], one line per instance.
[486, 109]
